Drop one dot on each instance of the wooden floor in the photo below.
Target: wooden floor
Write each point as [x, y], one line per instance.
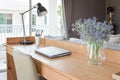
[3, 76]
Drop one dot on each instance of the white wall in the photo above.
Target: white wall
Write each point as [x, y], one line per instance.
[17, 18]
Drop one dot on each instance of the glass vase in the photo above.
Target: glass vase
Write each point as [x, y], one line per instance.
[95, 54]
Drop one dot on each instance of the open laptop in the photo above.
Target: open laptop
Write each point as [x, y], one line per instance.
[52, 51]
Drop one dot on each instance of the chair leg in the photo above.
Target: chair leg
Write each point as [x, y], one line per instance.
[42, 78]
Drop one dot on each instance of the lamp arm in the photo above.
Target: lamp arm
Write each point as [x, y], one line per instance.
[23, 27]
[28, 10]
[23, 22]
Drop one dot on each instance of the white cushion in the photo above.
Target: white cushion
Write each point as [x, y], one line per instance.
[25, 68]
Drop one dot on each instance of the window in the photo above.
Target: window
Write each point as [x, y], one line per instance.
[59, 16]
[5, 18]
[33, 22]
[59, 12]
[33, 19]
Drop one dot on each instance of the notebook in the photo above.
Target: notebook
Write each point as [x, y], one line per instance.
[52, 51]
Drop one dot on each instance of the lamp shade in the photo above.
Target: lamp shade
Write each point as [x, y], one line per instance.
[41, 11]
[110, 9]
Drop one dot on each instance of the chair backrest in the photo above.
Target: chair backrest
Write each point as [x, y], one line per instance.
[25, 68]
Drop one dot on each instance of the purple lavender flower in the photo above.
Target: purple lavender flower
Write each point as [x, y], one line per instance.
[91, 30]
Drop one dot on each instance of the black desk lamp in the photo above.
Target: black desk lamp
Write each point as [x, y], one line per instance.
[41, 11]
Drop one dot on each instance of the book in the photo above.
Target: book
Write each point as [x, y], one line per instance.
[116, 76]
[52, 51]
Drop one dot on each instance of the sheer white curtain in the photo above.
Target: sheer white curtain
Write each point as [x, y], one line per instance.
[66, 17]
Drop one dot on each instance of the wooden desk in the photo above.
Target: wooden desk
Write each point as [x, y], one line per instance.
[72, 67]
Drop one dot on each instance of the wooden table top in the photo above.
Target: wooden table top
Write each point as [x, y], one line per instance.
[75, 66]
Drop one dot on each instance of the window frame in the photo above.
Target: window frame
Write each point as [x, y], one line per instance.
[6, 19]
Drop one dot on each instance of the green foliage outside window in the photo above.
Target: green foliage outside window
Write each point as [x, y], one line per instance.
[59, 12]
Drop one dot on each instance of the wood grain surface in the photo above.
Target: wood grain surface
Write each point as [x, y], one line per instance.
[75, 66]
